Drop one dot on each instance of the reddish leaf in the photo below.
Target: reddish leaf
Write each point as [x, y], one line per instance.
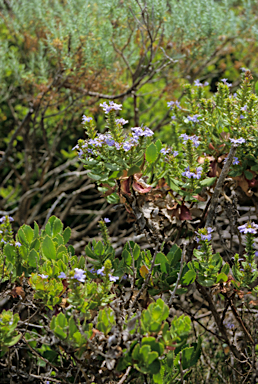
[211, 147]
[139, 187]
[125, 187]
[185, 213]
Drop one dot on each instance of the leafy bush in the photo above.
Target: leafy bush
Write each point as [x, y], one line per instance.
[106, 317]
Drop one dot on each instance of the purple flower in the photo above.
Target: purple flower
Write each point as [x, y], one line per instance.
[229, 325]
[127, 146]
[193, 175]
[113, 278]
[18, 244]
[106, 220]
[110, 142]
[206, 83]
[80, 153]
[112, 106]
[92, 270]
[248, 228]
[173, 117]
[95, 142]
[241, 117]
[175, 153]
[171, 104]
[244, 108]
[86, 119]
[197, 83]
[206, 237]
[147, 132]
[4, 218]
[194, 118]
[79, 275]
[121, 121]
[2, 241]
[101, 271]
[256, 254]
[235, 161]
[243, 69]
[235, 94]
[117, 145]
[90, 150]
[62, 275]
[76, 147]
[237, 141]
[225, 82]
[43, 276]
[194, 139]
[137, 131]
[164, 151]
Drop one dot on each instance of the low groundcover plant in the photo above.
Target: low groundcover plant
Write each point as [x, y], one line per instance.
[105, 317]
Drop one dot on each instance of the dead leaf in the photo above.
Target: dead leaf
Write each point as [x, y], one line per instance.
[125, 187]
[144, 271]
[137, 186]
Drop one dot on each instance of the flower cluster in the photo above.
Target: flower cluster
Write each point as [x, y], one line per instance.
[226, 83]
[194, 118]
[172, 104]
[194, 139]
[192, 175]
[197, 83]
[241, 140]
[112, 106]
[248, 228]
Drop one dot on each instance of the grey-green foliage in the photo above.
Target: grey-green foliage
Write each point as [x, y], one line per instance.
[93, 27]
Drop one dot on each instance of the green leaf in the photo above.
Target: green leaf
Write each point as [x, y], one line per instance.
[162, 260]
[208, 182]
[189, 277]
[14, 340]
[36, 230]
[248, 175]
[29, 233]
[151, 357]
[48, 248]
[158, 145]
[225, 269]
[60, 333]
[134, 169]
[10, 253]
[99, 249]
[57, 227]
[21, 237]
[222, 276]
[256, 87]
[127, 257]
[151, 153]
[67, 234]
[33, 258]
[172, 183]
[254, 167]
[136, 251]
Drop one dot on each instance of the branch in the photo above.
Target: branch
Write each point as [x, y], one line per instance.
[217, 189]
[179, 276]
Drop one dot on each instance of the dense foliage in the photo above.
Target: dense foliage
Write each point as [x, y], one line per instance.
[105, 317]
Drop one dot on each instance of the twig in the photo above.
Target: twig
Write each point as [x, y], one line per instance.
[146, 282]
[125, 375]
[179, 276]
[217, 189]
